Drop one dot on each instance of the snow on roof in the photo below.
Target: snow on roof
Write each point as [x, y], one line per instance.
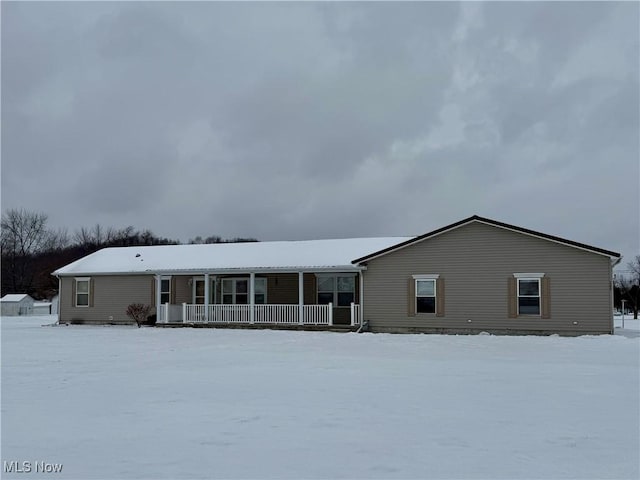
[281, 255]
[14, 297]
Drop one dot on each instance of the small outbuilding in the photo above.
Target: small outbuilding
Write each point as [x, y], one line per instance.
[42, 308]
[15, 304]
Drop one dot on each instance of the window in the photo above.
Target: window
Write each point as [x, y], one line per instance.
[165, 290]
[336, 289]
[82, 291]
[236, 291]
[198, 290]
[528, 296]
[426, 295]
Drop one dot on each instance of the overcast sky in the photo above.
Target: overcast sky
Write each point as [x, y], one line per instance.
[324, 120]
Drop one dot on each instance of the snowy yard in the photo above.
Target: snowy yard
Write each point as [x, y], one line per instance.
[122, 402]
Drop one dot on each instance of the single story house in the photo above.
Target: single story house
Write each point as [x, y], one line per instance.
[474, 275]
[15, 304]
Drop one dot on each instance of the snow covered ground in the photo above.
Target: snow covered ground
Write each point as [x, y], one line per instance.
[122, 402]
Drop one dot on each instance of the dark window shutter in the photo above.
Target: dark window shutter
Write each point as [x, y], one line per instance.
[440, 297]
[512, 297]
[411, 298]
[546, 298]
[91, 289]
[73, 292]
[153, 291]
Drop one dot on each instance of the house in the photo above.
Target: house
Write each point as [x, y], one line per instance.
[15, 304]
[309, 282]
[472, 276]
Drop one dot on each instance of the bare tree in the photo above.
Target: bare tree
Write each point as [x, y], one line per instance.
[629, 285]
[24, 234]
[95, 236]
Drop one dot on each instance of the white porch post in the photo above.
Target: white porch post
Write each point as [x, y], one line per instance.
[206, 297]
[158, 300]
[300, 298]
[252, 289]
[361, 299]
[330, 313]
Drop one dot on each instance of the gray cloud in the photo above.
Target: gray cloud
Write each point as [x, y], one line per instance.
[316, 120]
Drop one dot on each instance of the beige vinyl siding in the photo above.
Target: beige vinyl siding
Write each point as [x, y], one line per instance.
[182, 292]
[476, 262]
[110, 297]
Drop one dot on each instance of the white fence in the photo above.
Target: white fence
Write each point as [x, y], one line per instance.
[356, 312]
[262, 314]
[169, 313]
[289, 314]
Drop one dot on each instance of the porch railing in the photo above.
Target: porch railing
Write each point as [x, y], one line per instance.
[262, 314]
[169, 313]
[356, 312]
[288, 314]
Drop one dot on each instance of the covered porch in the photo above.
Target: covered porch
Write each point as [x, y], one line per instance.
[260, 298]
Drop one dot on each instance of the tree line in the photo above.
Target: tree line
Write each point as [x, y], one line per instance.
[30, 251]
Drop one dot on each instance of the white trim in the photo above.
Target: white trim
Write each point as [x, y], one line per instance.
[426, 278]
[224, 271]
[207, 295]
[160, 292]
[361, 299]
[539, 296]
[252, 297]
[158, 281]
[300, 297]
[528, 275]
[88, 294]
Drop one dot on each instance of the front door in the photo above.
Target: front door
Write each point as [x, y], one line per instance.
[199, 289]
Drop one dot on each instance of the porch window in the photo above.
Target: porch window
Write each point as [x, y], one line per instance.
[336, 289]
[165, 290]
[235, 291]
[83, 286]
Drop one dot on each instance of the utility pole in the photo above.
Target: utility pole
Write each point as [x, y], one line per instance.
[623, 312]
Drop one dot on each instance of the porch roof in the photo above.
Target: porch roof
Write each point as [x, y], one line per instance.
[303, 255]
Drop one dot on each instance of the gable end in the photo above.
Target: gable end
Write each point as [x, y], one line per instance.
[494, 223]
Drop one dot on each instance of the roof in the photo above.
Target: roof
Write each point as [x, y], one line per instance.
[14, 297]
[487, 221]
[300, 255]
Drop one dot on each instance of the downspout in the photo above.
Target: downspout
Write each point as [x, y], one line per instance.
[59, 297]
[363, 327]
